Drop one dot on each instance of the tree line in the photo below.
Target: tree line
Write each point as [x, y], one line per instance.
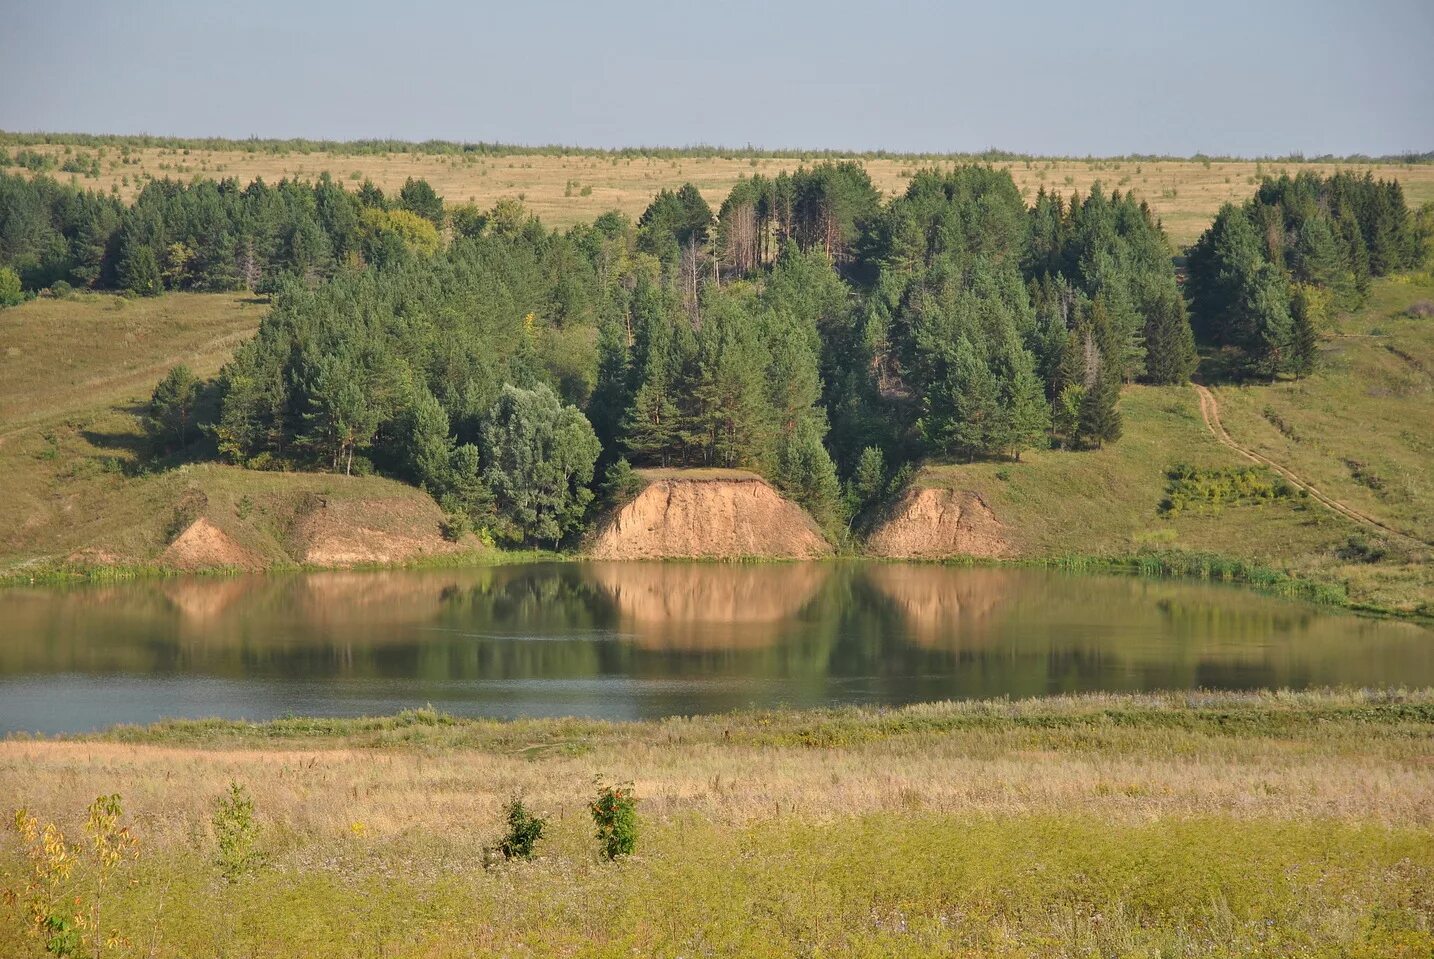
[208, 235]
[1269, 274]
[380, 147]
[810, 329]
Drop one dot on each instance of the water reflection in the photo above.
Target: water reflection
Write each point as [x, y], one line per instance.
[679, 606]
[643, 639]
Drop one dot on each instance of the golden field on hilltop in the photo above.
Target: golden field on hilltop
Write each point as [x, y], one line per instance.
[574, 188]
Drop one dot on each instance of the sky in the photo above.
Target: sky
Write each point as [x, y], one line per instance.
[1098, 77]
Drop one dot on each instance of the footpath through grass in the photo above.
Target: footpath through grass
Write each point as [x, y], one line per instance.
[1165, 825]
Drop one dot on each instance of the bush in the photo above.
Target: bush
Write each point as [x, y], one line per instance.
[235, 832]
[1212, 489]
[11, 294]
[524, 831]
[1357, 549]
[615, 814]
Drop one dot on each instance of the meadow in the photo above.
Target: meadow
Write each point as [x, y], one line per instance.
[1170, 825]
[565, 188]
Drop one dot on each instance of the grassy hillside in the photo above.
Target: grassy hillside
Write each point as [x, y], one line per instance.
[576, 187]
[1369, 404]
[75, 376]
[1363, 428]
[1212, 825]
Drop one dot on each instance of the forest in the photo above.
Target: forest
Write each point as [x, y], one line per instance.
[809, 329]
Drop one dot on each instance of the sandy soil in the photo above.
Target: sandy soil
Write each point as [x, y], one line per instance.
[934, 523]
[728, 517]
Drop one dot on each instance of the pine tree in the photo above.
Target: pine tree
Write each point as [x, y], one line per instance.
[651, 428]
[805, 471]
[429, 445]
[171, 409]
[1266, 304]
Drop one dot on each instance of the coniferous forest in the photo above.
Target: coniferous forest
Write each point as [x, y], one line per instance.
[809, 328]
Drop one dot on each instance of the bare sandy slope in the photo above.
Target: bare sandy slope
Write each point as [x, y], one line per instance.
[709, 514]
[930, 523]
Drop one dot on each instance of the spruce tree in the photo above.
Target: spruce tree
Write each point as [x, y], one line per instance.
[1170, 355]
[1028, 413]
[1099, 418]
[139, 270]
[1303, 343]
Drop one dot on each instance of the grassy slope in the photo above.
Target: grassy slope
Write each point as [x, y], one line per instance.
[1365, 404]
[1362, 430]
[1184, 193]
[74, 376]
[1109, 825]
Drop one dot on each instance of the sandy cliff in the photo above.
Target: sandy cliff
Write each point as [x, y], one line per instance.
[936, 523]
[709, 514]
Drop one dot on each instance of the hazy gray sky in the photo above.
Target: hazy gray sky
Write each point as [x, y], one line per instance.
[1100, 76]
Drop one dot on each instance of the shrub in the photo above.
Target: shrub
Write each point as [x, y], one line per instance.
[235, 832]
[59, 906]
[1192, 488]
[11, 293]
[524, 831]
[1357, 549]
[615, 814]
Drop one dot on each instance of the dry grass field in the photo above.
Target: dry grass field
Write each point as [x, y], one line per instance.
[1171, 825]
[577, 187]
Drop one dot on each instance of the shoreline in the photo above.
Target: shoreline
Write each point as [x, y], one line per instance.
[1215, 712]
[1169, 565]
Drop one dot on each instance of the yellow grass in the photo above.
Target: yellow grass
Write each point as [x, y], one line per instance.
[1185, 194]
[1192, 825]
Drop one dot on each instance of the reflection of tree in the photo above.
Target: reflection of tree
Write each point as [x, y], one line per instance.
[684, 607]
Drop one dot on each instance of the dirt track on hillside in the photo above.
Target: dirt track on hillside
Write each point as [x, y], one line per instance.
[1210, 411]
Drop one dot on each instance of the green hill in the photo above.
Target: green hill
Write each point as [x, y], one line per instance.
[75, 376]
[1358, 430]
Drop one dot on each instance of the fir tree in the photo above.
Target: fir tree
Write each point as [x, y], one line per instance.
[1099, 420]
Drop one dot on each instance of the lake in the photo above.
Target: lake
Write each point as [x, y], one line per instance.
[638, 640]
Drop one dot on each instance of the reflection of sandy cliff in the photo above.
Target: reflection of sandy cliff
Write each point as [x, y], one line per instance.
[707, 607]
[949, 608]
[336, 598]
[394, 597]
[200, 600]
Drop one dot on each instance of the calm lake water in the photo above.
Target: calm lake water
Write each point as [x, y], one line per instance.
[630, 640]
